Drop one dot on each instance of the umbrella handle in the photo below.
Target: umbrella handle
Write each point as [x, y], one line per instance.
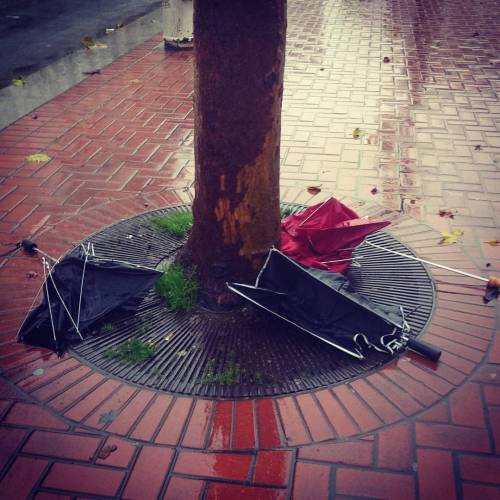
[424, 349]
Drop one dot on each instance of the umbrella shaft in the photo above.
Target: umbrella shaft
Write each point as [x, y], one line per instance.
[411, 257]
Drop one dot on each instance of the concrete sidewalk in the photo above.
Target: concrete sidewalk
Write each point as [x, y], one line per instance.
[420, 82]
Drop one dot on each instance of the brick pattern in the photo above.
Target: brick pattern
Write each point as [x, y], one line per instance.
[429, 139]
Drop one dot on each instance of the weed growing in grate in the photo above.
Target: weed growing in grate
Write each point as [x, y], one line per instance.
[286, 211]
[176, 223]
[231, 374]
[132, 351]
[178, 287]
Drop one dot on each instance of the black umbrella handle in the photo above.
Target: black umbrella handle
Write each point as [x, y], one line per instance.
[424, 349]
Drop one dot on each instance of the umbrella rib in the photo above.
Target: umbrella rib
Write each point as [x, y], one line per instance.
[81, 284]
[63, 304]
[45, 263]
[314, 211]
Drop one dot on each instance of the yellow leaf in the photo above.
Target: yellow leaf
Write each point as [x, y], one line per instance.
[89, 43]
[19, 82]
[38, 157]
[135, 81]
[356, 133]
[450, 238]
[493, 243]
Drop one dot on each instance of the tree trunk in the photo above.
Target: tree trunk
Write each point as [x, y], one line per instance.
[240, 52]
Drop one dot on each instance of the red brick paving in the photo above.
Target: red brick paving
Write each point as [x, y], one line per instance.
[410, 430]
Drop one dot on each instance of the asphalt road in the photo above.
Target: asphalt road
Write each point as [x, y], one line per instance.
[34, 33]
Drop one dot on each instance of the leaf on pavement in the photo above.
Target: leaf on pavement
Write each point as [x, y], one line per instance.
[135, 81]
[19, 81]
[374, 190]
[38, 157]
[314, 190]
[447, 213]
[493, 243]
[450, 238]
[387, 59]
[90, 43]
[356, 133]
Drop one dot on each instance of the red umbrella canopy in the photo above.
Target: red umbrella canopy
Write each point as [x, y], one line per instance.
[322, 232]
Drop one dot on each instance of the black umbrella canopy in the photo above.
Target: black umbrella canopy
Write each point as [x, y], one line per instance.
[322, 304]
[79, 292]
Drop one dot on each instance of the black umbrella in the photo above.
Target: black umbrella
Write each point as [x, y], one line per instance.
[79, 291]
[322, 304]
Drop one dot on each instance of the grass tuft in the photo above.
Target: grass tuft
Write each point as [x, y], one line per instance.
[132, 351]
[286, 211]
[177, 223]
[230, 374]
[178, 287]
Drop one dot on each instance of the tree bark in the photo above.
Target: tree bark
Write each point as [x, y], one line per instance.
[240, 52]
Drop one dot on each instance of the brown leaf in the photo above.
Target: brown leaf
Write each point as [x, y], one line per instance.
[374, 190]
[106, 451]
[314, 190]
[493, 243]
[477, 147]
[387, 59]
[447, 213]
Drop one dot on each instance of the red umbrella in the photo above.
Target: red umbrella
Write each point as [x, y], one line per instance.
[326, 232]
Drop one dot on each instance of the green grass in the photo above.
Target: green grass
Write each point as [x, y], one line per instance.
[178, 287]
[286, 211]
[176, 223]
[132, 351]
[230, 375]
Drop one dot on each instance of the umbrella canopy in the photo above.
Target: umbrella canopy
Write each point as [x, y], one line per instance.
[324, 233]
[79, 291]
[320, 303]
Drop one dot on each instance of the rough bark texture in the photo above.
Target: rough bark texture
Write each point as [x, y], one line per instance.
[239, 47]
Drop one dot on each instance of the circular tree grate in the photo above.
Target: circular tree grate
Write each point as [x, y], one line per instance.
[215, 355]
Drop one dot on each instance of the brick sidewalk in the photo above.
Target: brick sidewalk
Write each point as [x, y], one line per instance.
[121, 143]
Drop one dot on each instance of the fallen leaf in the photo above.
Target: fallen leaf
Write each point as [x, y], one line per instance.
[314, 190]
[38, 157]
[488, 264]
[106, 451]
[447, 213]
[374, 190]
[450, 238]
[19, 81]
[135, 81]
[108, 417]
[493, 243]
[477, 147]
[387, 59]
[356, 133]
[90, 43]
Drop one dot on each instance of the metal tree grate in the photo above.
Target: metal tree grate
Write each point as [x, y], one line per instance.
[212, 354]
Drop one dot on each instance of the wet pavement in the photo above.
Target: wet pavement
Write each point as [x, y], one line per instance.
[420, 84]
[34, 33]
[65, 72]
